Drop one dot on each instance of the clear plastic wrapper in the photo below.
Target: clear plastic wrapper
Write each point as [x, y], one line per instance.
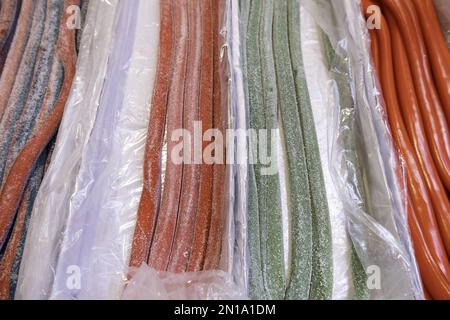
[317, 74]
[147, 284]
[103, 206]
[238, 198]
[50, 212]
[364, 158]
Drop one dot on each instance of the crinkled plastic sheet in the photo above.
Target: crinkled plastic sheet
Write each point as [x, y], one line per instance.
[377, 221]
[206, 285]
[317, 75]
[239, 122]
[103, 206]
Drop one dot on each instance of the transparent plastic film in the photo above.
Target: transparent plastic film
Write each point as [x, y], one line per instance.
[317, 73]
[103, 206]
[363, 158]
[238, 117]
[148, 284]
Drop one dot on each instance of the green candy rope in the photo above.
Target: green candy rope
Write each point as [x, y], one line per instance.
[256, 121]
[299, 192]
[322, 263]
[270, 213]
[339, 71]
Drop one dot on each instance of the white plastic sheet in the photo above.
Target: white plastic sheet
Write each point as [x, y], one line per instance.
[317, 76]
[239, 120]
[103, 207]
[363, 156]
[49, 216]
[147, 284]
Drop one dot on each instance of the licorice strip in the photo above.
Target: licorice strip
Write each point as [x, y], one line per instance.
[322, 263]
[256, 119]
[166, 224]
[14, 58]
[438, 132]
[271, 228]
[9, 15]
[220, 118]
[22, 85]
[151, 194]
[419, 192]
[17, 178]
[187, 212]
[299, 192]
[203, 220]
[438, 51]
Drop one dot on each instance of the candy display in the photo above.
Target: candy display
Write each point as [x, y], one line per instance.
[224, 150]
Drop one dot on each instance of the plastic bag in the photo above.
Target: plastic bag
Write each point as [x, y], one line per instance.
[238, 199]
[103, 206]
[317, 74]
[148, 284]
[364, 158]
[50, 212]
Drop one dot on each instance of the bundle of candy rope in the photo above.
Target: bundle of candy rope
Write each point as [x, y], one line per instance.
[412, 62]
